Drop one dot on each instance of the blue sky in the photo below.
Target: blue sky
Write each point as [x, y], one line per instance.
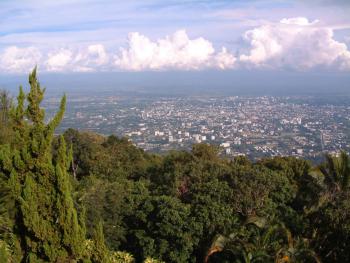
[156, 35]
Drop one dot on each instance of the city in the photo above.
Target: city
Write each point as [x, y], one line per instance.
[252, 126]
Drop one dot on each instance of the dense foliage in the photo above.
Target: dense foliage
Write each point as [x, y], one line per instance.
[82, 197]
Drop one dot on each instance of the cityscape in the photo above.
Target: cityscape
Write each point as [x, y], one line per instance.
[255, 127]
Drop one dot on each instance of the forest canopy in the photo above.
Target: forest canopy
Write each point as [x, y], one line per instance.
[83, 197]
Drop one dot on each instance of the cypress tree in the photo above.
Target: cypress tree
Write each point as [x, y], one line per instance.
[5, 105]
[46, 224]
[100, 254]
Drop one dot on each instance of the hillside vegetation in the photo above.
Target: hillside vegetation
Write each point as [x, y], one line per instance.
[82, 197]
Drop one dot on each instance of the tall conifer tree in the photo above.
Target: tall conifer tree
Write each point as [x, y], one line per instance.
[47, 227]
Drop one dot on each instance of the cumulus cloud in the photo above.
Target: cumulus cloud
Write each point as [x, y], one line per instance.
[93, 57]
[85, 59]
[177, 51]
[294, 43]
[15, 59]
[58, 60]
[291, 43]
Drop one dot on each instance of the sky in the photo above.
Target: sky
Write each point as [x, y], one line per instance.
[91, 36]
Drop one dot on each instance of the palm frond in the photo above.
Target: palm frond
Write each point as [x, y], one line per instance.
[345, 170]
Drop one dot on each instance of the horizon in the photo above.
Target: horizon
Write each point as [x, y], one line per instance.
[207, 82]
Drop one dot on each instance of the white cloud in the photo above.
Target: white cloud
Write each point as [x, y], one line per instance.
[58, 60]
[19, 60]
[172, 52]
[15, 59]
[300, 21]
[96, 55]
[291, 43]
[224, 59]
[91, 58]
[295, 43]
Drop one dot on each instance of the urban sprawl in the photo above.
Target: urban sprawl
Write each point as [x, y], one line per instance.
[253, 126]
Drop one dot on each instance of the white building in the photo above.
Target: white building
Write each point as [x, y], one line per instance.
[197, 138]
[225, 144]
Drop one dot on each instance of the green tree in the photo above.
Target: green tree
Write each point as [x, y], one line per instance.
[171, 176]
[336, 172]
[256, 242]
[331, 228]
[100, 253]
[211, 213]
[110, 158]
[45, 219]
[161, 228]
[5, 108]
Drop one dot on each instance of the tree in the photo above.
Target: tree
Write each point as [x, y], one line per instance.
[161, 228]
[255, 242]
[212, 213]
[111, 158]
[333, 179]
[5, 107]
[100, 253]
[46, 223]
[336, 172]
[331, 227]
